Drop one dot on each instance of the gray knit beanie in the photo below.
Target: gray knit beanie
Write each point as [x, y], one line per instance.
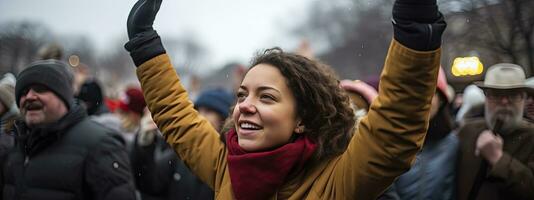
[52, 74]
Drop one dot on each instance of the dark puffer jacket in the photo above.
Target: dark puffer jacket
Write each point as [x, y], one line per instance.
[74, 158]
[161, 175]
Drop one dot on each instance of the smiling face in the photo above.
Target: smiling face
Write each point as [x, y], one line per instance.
[40, 106]
[265, 113]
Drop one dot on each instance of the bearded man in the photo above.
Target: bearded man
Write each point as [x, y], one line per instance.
[496, 158]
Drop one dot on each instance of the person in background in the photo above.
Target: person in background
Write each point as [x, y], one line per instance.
[529, 103]
[126, 119]
[214, 105]
[8, 108]
[496, 155]
[166, 176]
[92, 98]
[131, 109]
[432, 176]
[472, 105]
[9, 113]
[59, 153]
[52, 50]
[361, 95]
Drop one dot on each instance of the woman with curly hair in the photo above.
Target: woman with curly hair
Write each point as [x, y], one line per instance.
[293, 134]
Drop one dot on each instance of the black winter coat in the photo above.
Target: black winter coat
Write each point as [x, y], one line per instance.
[74, 158]
[161, 175]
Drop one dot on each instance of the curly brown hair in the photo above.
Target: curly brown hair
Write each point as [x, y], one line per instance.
[321, 104]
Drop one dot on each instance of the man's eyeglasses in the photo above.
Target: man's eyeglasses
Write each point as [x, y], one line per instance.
[512, 96]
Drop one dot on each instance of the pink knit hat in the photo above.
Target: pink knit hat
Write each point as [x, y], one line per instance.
[361, 88]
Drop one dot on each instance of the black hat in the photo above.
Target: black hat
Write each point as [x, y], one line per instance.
[50, 73]
[91, 93]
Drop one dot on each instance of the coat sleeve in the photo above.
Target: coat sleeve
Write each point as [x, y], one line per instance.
[518, 177]
[107, 171]
[387, 139]
[191, 136]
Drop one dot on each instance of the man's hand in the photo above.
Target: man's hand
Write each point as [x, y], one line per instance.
[142, 17]
[489, 146]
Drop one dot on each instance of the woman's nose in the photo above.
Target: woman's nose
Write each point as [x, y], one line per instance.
[247, 106]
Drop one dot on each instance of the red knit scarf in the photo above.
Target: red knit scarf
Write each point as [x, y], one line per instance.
[257, 175]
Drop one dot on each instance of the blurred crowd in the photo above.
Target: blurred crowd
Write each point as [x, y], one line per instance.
[499, 110]
[479, 143]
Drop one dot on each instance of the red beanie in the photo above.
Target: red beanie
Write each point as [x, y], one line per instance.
[133, 101]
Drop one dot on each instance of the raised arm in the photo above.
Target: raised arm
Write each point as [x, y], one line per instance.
[144, 42]
[387, 140]
[190, 135]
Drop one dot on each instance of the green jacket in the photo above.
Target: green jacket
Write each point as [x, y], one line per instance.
[383, 147]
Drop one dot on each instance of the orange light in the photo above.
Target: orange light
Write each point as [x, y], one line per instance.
[467, 66]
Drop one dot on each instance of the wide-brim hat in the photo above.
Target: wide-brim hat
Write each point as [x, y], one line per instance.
[504, 76]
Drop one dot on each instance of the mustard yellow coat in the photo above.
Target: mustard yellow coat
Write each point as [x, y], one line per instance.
[383, 147]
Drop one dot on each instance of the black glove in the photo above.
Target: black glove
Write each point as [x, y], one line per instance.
[418, 24]
[422, 11]
[144, 42]
[142, 17]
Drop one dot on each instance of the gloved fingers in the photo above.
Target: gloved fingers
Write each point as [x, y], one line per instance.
[142, 15]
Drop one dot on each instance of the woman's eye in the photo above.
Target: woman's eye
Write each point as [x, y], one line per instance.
[241, 96]
[267, 97]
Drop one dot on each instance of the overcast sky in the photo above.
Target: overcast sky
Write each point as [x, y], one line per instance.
[230, 29]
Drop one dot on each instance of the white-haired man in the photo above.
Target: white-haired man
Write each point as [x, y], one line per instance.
[496, 158]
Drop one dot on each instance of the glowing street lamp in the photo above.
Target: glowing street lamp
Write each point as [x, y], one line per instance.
[467, 66]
